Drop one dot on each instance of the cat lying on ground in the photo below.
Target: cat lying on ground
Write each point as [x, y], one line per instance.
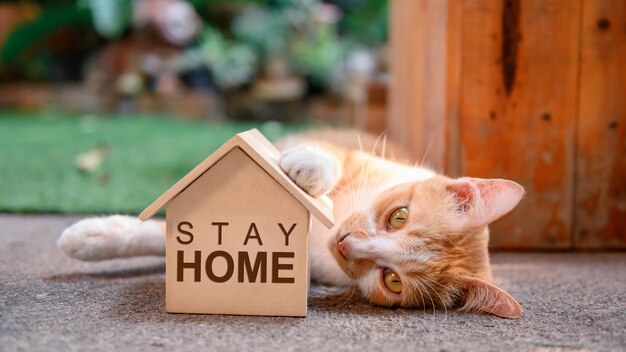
[404, 235]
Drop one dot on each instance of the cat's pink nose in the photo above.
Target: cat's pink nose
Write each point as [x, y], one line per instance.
[342, 246]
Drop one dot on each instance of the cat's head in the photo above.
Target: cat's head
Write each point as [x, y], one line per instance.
[425, 244]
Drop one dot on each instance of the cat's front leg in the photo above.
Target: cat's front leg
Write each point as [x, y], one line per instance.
[313, 169]
[110, 237]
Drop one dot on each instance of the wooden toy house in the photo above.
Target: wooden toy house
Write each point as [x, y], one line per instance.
[237, 234]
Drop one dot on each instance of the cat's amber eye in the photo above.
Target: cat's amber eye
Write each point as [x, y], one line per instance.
[392, 281]
[398, 218]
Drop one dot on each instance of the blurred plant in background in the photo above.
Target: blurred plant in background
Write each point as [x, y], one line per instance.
[109, 17]
[269, 51]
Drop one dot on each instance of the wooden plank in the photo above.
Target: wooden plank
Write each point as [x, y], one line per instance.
[518, 94]
[417, 106]
[600, 220]
[453, 88]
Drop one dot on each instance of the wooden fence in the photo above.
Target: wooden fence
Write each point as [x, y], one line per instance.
[530, 90]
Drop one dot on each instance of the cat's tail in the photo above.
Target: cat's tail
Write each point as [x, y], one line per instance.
[112, 237]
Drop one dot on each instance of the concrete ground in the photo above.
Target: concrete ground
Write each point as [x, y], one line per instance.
[572, 301]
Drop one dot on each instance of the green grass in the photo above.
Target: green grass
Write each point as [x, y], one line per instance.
[146, 156]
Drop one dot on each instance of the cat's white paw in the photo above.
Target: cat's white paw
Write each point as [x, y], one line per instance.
[95, 238]
[111, 237]
[312, 169]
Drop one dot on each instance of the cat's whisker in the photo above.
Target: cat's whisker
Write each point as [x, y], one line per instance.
[345, 298]
[423, 285]
[338, 300]
[353, 291]
[443, 303]
[435, 282]
[384, 145]
[430, 143]
[432, 302]
[422, 301]
[373, 151]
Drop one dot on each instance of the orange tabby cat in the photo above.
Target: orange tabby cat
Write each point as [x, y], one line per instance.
[404, 235]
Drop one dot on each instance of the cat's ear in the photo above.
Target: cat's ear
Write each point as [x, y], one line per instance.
[483, 297]
[482, 201]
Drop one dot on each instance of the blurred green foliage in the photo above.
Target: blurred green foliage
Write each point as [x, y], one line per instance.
[366, 21]
[51, 19]
[287, 28]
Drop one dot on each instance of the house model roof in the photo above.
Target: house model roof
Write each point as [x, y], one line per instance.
[261, 151]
